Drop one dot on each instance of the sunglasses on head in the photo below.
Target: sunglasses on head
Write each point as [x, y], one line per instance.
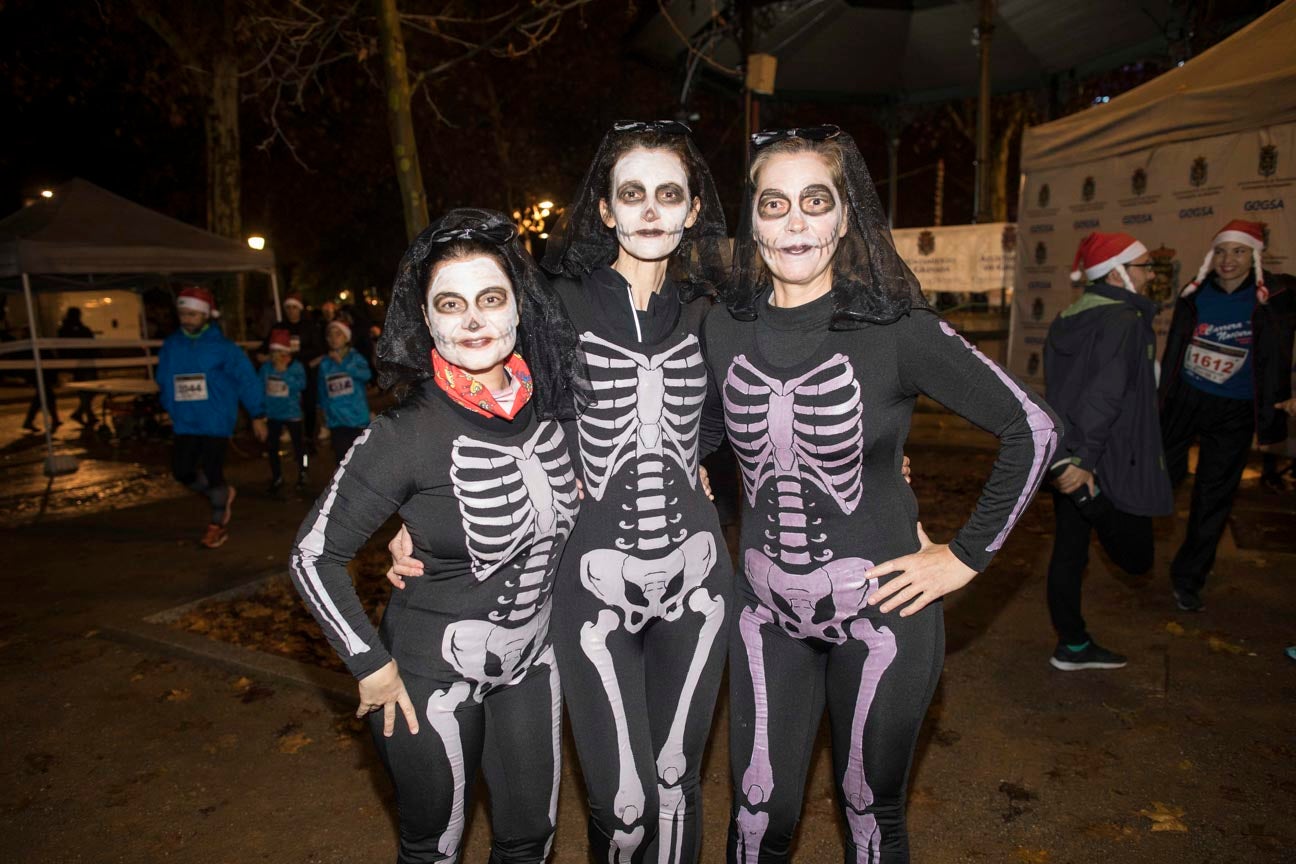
[665, 127]
[808, 133]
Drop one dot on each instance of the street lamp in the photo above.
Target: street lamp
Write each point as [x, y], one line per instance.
[257, 242]
[47, 193]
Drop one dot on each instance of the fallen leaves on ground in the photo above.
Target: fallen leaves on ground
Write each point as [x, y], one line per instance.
[1165, 817]
[291, 739]
[177, 695]
[1032, 856]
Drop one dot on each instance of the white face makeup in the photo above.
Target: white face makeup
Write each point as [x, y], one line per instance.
[651, 204]
[799, 217]
[472, 314]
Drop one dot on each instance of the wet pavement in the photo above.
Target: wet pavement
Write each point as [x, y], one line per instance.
[117, 752]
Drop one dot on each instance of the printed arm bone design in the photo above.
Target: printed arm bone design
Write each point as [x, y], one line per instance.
[646, 417]
[802, 435]
[517, 505]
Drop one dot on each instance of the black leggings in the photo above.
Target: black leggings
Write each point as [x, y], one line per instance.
[274, 429]
[640, 705]
[1223, 429]
[198, 462]
[876, 686]
[511, 734]
[1125, 537]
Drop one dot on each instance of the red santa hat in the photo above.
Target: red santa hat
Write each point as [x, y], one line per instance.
[1100, 253]
[294, 300]
[198, 299]
[281, 340]
[341, 325]
[1238, 231]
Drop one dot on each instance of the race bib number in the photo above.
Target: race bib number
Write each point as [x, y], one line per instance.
[276, 388]
[1213, 361]
[339, 384]
[191, 388]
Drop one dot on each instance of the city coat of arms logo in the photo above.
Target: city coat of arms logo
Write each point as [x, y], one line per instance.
[1044, 195]
[1138, 182]
[1037, 309]
[1033, 364]
[1197, 174]
[926, 243]
[1041, 253]
[1268, 160]
[1088, 189]
[1009, 239]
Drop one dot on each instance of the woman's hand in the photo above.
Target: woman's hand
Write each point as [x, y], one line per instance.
[580, 490]
[927, 574]
[904, 470]
[384, 689]
[1289, 406]
[404, 563]
[704, 479]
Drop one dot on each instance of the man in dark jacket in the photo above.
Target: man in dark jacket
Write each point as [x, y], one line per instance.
[1226, 376]
[1110, 475]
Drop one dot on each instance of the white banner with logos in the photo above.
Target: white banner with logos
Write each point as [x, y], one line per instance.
[1173, 198]
[961, 258]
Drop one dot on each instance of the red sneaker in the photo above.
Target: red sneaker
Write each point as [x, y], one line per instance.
[215, 536]
[229, 504]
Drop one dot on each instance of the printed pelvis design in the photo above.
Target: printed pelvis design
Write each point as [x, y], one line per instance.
[518, 506]
[488, 656]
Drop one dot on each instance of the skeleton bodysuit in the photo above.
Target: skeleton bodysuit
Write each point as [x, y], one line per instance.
[643, 595]
[489, 504]
[818, 421]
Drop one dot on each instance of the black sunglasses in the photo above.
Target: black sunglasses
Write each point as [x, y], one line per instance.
[665, 127]
[808, 133]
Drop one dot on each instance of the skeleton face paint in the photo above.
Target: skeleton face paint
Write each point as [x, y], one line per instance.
[651, 203]
[799, 217]
[472, 314]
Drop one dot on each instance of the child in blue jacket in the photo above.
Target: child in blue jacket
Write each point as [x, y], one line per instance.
[283, 379]
[202, 377]
[343, 374]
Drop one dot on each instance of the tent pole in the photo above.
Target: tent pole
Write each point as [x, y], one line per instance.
[34, 330]
[274, 289]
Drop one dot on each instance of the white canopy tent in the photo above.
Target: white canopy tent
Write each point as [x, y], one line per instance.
[1169, 162]
[87, 231]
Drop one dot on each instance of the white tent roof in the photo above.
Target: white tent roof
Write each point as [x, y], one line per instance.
[1245, 82]
[85, 229]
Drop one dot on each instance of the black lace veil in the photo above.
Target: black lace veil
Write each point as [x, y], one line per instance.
[546, 337]
[582, 243]
[871, 283]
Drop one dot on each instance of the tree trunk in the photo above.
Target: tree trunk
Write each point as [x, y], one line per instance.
[400, 120]
[224, 172]
[1009, 138]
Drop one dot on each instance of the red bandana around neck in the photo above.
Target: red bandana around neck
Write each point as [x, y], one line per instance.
[467, 391]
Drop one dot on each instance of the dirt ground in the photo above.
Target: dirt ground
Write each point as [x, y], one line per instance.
[117, 752]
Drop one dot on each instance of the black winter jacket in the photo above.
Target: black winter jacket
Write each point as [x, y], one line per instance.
[1101, 381]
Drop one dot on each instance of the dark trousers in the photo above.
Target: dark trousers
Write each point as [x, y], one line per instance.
[343, 437]
[199, 463]
[1127, 539]
[33, 408]
[1223, 429]
[310, 402]
[274, 430]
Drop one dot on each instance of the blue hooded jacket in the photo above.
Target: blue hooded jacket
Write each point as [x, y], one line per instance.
[283, 390]
[201, 380]
[342, 390]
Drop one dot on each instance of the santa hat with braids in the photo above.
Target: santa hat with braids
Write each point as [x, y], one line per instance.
[1100, 253]
[1238, 231]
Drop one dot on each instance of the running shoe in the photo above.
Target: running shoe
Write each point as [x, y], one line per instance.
[215, 536]
[1188, 600]
[229, 504]
[1092, 656]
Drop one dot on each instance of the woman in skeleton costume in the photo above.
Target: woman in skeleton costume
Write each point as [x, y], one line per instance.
[644, 589]
[474, 461]
[827, 346]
